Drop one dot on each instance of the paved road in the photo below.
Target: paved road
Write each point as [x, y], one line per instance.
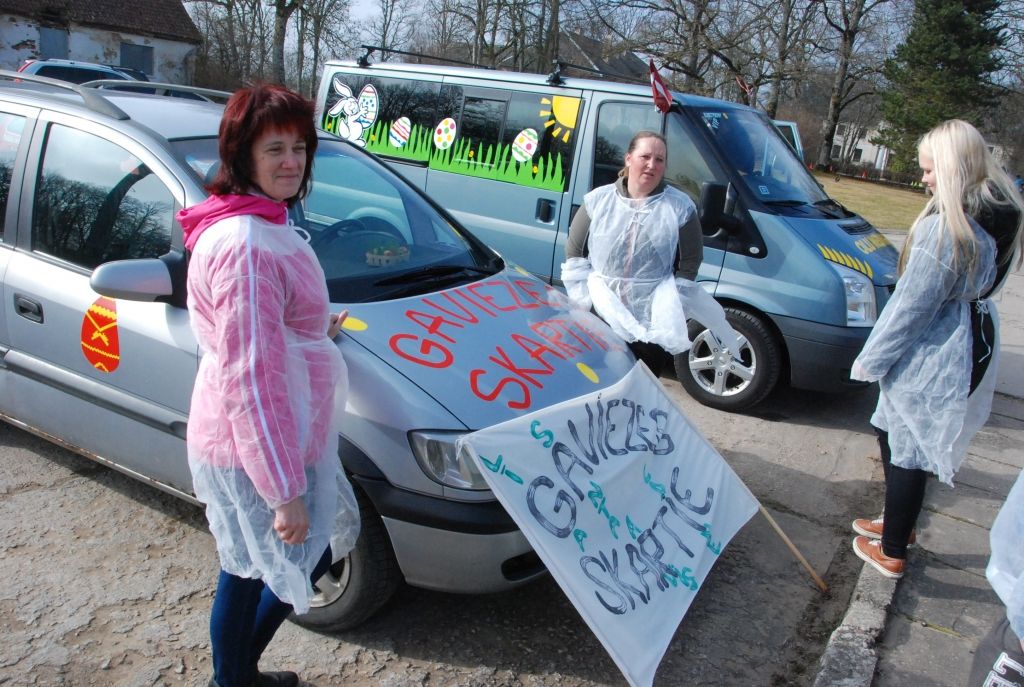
[107, 581]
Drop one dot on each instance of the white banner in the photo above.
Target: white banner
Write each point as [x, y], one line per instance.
[626, 503]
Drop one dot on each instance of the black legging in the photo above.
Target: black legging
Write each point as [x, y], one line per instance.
[904, 487]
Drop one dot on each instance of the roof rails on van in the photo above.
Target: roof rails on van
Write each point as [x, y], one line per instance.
[364, 60]
[91, 98]
[555, 77]
[157, 88]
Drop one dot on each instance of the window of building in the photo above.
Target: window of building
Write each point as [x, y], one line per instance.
[137, 57]
[53, 43]
[836, 152]
[857, 153]
[97, 202]
[840, 129]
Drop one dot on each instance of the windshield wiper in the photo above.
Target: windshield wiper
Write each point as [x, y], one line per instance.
[787, 202]
[435, 272]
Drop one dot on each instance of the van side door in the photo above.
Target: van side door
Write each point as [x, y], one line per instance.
[503, 165]
[690, 162]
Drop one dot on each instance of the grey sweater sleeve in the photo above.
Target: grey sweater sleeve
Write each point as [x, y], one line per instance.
[579, 232]
[691, 248]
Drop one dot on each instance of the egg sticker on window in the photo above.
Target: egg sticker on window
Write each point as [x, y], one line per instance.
[525, 145]
[99, 335]
[369, 104]
[444, 134]
[399, 134]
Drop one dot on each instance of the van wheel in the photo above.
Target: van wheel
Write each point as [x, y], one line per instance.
[356, 587]
[719, 379]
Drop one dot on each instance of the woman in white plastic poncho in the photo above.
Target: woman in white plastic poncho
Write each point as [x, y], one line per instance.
[262, 426]
[633, 252]
[934, 350]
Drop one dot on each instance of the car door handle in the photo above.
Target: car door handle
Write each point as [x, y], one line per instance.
[28, 308]
[545, 210]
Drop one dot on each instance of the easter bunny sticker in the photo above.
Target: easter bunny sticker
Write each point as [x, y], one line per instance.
[355, 115]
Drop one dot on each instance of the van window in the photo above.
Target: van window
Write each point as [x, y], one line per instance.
[528, 142]
[616, 124]
[687, 169]
[524, 138]
[97, 202]
[11, 127]
[482, 119]
[390, 117]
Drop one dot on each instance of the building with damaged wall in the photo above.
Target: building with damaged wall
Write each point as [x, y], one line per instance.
[155, 36]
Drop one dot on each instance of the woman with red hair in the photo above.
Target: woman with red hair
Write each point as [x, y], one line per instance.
[270, 385]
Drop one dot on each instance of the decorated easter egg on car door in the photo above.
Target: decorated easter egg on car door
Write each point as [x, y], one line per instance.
[444, 134]
[99, 335]
[399, 134]
[524, 145]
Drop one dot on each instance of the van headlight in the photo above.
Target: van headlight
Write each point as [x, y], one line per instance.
[438, 458]
[861, 308]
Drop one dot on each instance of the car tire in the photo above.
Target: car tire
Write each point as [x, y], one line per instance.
[358, 585]
[718, 379]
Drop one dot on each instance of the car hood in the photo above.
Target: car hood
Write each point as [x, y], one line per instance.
[493, 349]
[852, 243]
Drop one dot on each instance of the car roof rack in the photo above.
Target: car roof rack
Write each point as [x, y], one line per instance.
[364, 60]
[555, 77]
[165, 89]
[91, 98]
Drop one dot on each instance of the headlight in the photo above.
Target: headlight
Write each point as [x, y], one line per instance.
[436, 454]
[861, 309]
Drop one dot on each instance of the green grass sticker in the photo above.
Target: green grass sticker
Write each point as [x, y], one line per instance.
[485, 161]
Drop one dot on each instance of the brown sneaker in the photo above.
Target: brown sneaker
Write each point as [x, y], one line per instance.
[872, 529]
[870, 551]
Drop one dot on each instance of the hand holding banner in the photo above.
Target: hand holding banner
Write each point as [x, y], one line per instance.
[625, 502]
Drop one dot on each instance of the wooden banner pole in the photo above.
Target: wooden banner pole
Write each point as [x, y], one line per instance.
[789, 543]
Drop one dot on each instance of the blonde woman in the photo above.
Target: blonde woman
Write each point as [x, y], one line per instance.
[934, 349]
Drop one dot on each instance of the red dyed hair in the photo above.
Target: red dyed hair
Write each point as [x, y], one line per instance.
[249, 113]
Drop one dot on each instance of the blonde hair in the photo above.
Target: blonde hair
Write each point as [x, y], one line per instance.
[967, 179]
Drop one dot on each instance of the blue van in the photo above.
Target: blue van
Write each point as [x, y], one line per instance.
[511, 156]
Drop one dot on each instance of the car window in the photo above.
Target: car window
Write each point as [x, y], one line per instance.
[11, 127]
[616, 124]
[375, 236]
[76, 74]
[96, 202]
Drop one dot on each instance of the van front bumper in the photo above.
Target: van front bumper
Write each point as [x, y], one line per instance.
[453, 546]
[820, 356]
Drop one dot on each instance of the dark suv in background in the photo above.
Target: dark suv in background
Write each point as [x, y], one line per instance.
[80, 72]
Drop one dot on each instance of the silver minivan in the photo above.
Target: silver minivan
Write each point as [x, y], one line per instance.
[444, 337]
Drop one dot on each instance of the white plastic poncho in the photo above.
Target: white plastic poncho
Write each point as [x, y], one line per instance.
[628, 278]
[1005, 570]
[920, 352]
[263, 424]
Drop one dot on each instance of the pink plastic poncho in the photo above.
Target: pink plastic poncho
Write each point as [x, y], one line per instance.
[268, 396]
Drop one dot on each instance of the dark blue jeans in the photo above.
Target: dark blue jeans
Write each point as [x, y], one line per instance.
[244, 618]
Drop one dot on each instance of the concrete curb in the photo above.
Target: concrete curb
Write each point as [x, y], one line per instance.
[849, 658]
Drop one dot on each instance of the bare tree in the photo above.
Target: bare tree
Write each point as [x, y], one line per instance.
[849, 20]
[392, 26]
[283, 10]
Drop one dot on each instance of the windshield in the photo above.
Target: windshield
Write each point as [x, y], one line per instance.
[375, 236]
[763, 159]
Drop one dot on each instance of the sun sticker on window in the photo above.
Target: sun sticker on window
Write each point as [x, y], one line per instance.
[562, 115]
[100, 345]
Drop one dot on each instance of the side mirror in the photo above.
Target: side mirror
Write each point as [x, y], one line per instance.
[135, 280]
[717, 202]
[712, 206]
